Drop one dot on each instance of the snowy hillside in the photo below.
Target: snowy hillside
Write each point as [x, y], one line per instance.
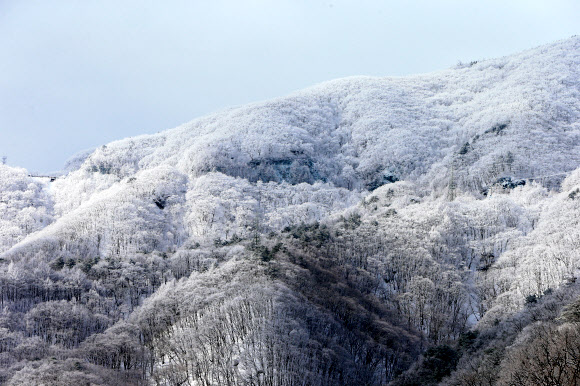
[25, 206]
[398, 213]
[513, 118]
[489, 118]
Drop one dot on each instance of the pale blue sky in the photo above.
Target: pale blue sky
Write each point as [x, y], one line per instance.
[78, 74]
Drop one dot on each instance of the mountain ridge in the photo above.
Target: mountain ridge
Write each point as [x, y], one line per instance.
[308, 137]
[401, 214]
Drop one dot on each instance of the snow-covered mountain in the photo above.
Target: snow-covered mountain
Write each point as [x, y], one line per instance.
[430, 203]
[468, 127]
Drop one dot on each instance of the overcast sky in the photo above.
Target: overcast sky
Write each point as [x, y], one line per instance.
[78, 74]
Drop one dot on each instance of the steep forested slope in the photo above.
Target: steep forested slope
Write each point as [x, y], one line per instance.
[25, 205]
[328, 237]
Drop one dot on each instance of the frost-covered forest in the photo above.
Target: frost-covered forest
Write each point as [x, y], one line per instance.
[366, 231]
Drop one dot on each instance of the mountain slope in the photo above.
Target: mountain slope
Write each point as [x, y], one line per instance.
[402, 126]
[515, 117]
[350, 226]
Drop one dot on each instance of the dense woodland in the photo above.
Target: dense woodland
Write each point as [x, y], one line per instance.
[367, 231]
